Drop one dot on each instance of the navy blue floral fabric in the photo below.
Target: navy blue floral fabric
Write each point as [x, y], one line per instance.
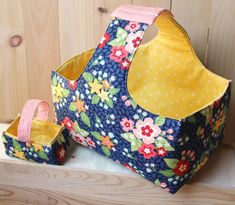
[53, 154]
[99, 112]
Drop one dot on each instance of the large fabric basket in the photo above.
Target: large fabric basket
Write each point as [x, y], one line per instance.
[153, 108]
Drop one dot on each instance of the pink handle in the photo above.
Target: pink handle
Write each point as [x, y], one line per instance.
[25, 124]
[138, 13]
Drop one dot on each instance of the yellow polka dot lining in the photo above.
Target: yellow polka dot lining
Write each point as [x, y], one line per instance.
[165, 77]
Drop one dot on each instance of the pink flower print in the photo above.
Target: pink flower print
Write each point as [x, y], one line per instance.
[146, 130]
[128, 103]
[123, 98]
[127, 125]
[89, 142]
[163, 185]
[133, 41]
[118, 53]
[77, 138]
[132, 26]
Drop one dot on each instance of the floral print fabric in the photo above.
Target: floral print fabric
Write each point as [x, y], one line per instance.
[100, 114]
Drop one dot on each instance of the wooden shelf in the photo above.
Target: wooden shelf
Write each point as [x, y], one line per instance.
[88, 178]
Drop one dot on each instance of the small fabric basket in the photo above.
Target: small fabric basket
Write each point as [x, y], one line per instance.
[36, 139]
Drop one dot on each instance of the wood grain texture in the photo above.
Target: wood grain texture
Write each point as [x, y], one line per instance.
[221, 51]
[194, 16]
[81, 25]
[42, 42]
[13, 68]
[86, 187]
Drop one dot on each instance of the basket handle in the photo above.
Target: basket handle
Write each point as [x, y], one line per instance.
[139, 14]
[27, 114]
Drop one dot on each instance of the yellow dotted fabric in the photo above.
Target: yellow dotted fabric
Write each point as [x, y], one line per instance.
[165, 77]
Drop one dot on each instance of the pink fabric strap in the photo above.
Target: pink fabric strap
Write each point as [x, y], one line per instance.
[138, 13]
[29, 109]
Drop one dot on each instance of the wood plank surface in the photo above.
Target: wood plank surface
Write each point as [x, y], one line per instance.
[82, 25]
[221, 51]
[194, 16]
[77, 185]
[42, 43]
[13, 68]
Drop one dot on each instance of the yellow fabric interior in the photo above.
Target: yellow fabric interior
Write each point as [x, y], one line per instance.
[42, 132]
[165, 77]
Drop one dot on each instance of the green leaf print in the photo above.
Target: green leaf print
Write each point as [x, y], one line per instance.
[171, 163]
[43, 155]
[167, 173]
[4, 139]
[133, 104]
[128, 136]
[161, 142]
[96, 135]
[97, 119]
[121, 33]
[88, 77]
[54, 80]
[106, 151]
[95, 99]
[121, 38]
[65, 93]
[80, 131]
[113, 91]
[85, 119]
[16, 145]
[60, 139]
[109, 103]
[135, 144]
[159, 121]
[191, 119]
[157, 182]
[72, 106]
[207, 112]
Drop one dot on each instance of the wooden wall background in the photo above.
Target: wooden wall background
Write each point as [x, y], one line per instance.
[55, 30]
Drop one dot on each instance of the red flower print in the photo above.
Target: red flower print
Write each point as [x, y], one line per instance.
[181, 168]
[60, 153]
[79, 139]
[72, 84]
[132, 26]
[118, 53]
[136, 41]
[125, 64]
[104, 40]
[148, 150]
[161, 152]
[146, 130]
[217, 104]
[68, 123]
[90, 142]
[129, 167]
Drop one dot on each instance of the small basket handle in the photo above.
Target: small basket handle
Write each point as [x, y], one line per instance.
[27, 114]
